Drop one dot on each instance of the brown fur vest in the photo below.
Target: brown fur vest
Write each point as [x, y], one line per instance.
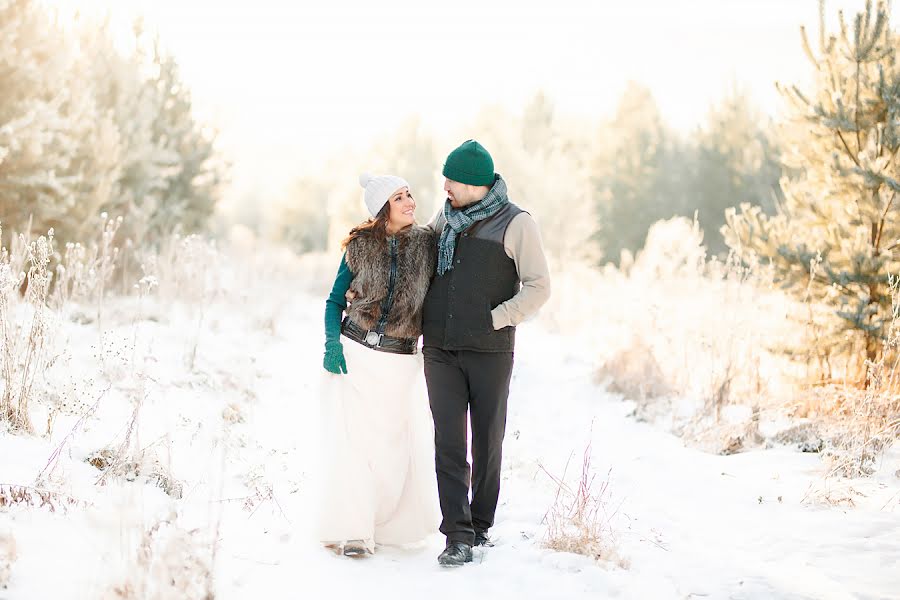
[370, 263]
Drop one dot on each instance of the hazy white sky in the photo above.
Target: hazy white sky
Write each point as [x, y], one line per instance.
[290, 82]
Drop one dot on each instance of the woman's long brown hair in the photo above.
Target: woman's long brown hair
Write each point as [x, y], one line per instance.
[376, 227]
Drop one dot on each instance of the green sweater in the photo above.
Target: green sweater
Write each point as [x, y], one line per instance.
[337, 302]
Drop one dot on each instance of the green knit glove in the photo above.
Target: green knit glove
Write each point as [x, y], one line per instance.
[334, 358]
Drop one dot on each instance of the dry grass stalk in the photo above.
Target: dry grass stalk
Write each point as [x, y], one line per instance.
[827, 492]
[12, 495]
[170, 563]
[691, 329]
[733, 340]
[635, 373]
[57, 452]
[145, 467]
[8, 556]
[865, 424]
[861, 423]
[129, 461]
[114, 461]
[84, 272]
[187, 269]
[578, 521]
[24, 351]
[261, 494]
[233, 414]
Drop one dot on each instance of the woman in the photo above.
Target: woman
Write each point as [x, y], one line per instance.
[379, 483]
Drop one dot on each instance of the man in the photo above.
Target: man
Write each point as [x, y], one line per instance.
[491, 275]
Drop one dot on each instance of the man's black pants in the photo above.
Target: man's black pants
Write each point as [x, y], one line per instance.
[461, 381]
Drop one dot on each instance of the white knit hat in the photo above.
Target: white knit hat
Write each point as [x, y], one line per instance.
[379, 188]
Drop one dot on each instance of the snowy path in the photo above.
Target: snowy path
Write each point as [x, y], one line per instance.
[690, 525]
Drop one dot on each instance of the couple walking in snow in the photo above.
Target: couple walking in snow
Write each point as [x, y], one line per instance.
[463, 282]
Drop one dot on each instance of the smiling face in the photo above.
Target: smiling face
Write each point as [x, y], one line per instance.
[402, 210]
[462, 194]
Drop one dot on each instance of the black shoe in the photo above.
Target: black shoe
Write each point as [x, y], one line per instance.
[455, 554]
[483, 539]
[356, 549]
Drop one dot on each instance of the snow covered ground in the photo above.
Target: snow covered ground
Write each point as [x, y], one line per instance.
[233, 438]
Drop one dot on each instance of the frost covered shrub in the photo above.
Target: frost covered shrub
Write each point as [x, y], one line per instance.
[86, 128]
[8, 556]
[859, 425]
[190, 271]
[25, 330]
[678, 324]
[863, 424]
[186, 268]
[579, 520]
[709, 335]
[169, 563]
[36, 286]
[85, 269]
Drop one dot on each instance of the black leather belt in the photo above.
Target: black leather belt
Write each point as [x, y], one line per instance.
[377, 341]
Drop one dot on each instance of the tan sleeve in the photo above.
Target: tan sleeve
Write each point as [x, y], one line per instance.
[523, 244]
[438, 221]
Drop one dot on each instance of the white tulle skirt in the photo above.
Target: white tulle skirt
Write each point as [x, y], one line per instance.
[378, 480]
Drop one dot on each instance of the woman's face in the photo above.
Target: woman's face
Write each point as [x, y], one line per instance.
[402, 210]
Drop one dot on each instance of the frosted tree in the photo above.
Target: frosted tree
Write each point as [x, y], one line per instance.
[302, 221]
[835, 237]
[169, 173]
[638, 174]
[97, 157]
[127, 99]
[192, 183]
[532, 154]
[86, 129]
[538, 135]
[734, 161]
[411, 154]
[38, 119]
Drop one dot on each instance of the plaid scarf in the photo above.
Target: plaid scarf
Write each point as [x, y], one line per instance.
[459, 220]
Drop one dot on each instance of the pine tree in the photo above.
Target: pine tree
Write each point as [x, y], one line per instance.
[130, 101]
[85, 129]
[411, 154]
[537, 124]
[835, 237]
[302, 222]
[39, 119]
[639, 175]
[545, 174]
[734, 161]
[194, 176]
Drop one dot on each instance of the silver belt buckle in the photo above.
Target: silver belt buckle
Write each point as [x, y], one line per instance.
[373, 338]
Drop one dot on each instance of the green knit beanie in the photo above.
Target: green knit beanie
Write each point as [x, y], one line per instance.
[471, 164]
